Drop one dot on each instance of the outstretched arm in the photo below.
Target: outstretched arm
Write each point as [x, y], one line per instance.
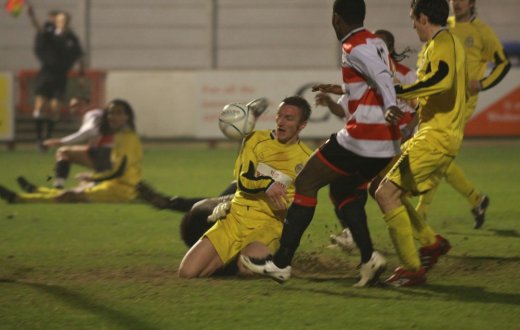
[33, 19]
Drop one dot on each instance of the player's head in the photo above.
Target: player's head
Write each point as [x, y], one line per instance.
[62, 21]
[427, 13]
[463, 9]
[292, 116]
[389, 40]
[50, 24]
[79, 104]
[347, 15]
[117, 115]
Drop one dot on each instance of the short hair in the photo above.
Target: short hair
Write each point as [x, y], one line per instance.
[437, 11]
[301, 104]
[474, 8]
[53, 13]
[351, 11]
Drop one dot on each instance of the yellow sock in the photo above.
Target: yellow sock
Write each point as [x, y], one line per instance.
[37, 197]
[400, 231]
[425, 200]
[420, 228]
[456, 178]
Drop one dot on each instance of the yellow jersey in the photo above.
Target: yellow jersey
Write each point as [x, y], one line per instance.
[482, 47]
[262, 161]
[441, 91]
[126, 158]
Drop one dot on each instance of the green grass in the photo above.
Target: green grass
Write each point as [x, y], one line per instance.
[114, 266]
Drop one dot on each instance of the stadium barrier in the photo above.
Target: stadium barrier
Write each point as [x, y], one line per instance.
[186, 104]
[93, 87]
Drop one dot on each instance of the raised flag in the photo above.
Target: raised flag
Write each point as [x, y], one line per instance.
[14, 7]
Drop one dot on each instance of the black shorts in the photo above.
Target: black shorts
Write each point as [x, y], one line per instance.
[100, 157]
[348, 163]
[50, 84]
[347, 188]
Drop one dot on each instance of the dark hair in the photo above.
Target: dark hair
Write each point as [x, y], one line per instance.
[194, 224]
[127, 108]
[351, 11]
[301, 104]
[474, 8]
[437, 11]
[389, 40]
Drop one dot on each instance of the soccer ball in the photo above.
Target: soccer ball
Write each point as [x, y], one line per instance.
[236, 121]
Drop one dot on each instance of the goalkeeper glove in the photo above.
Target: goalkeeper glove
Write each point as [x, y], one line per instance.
[220, 211]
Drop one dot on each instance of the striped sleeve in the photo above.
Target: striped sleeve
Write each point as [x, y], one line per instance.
[376, 69]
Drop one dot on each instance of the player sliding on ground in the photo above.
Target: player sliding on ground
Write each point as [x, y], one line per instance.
[265, 170]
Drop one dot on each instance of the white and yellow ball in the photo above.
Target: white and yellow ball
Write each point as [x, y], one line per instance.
[236, 121]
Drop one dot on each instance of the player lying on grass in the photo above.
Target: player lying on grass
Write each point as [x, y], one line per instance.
[114, 185]
[83, 147]
[197, 211]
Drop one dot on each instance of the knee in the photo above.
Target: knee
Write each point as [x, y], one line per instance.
[303, 187]
[62, 153]
[187, 272]
[381, 192]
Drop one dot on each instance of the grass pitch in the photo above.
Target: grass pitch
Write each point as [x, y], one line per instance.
[114, 266]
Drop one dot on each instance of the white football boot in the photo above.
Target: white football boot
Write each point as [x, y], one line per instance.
[371, 270]
[266, 268]
[344, 240]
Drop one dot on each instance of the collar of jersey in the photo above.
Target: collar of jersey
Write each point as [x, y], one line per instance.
[359, 29]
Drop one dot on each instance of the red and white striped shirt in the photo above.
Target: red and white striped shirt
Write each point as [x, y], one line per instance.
[368, 79]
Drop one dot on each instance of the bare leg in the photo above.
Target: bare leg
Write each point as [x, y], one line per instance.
[201, 260]
[76, 155]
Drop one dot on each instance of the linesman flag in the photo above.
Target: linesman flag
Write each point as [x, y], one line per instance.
[14, 7]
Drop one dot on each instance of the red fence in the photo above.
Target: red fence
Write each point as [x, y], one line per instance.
[93, 88]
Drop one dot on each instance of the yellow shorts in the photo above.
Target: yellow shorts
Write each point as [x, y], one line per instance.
[420, 167]
[241, 227]
[110, 192]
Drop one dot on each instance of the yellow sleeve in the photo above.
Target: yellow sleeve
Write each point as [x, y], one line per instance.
[493, 53]
[245, 169]
[436, 73]
[126, 147]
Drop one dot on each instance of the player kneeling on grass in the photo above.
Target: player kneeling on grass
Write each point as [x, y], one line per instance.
[114, 185]
[265, 170]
